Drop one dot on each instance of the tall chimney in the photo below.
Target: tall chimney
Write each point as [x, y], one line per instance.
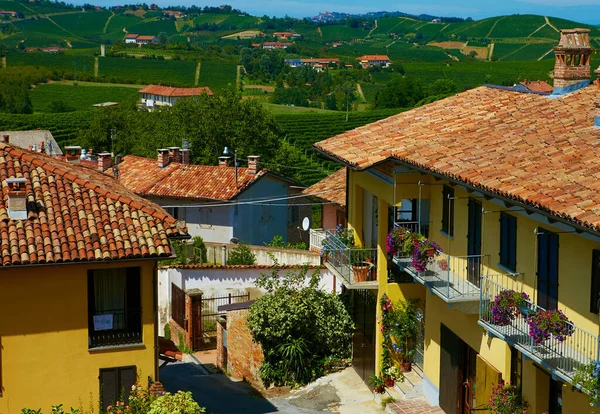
[73, 154]
[163, 157]
[5, 139]
[17, 198]
[572, 67]
[104, 161]
[175, 154]
[185, 156]
[253, 163]
[224, 161]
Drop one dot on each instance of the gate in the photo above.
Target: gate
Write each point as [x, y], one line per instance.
[363, 340]
[205, 315]
[419, 357]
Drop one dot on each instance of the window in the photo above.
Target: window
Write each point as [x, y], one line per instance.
[508, 241]
[294, 212]
[114, 307]
[516, 367]
[115, 384]
[595, 291]
[448, 210]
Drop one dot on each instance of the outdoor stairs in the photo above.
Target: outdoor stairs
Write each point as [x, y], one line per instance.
[412, 387]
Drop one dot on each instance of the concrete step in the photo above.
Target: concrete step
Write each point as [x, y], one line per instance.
[412, 386]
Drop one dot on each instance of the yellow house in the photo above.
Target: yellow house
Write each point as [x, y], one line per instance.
[78, 293]
[506, 183]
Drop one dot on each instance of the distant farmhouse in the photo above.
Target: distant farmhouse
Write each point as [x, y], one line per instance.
[154, 96]
[274, 45]
[140, 40]
[318, 63]
[175, 14]
[286, 35]
[367, 61]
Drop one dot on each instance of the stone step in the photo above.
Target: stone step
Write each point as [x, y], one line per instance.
[412, 386]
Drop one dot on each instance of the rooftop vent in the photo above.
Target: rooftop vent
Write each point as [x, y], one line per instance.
[17, 198]
[224, 161]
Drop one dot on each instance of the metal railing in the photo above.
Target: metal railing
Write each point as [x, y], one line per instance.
[317, 236]
[123, 328]
[355, 265]
[453, 278]
[563, 358]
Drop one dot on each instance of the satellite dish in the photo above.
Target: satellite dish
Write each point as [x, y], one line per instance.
[305, 224]
[234, 240]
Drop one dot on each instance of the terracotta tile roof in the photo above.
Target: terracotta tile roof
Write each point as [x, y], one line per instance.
[538, 86]
[530, 148]
[143, 37]
[131, 36]
[76, 214]
[373, 57]
[171, 91]
[332, 188]
[144, 177]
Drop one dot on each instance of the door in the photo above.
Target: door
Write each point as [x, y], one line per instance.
[547, 274]
[555, 397]
[450, 371]
[474, 242]
[469, 380]
[363, 340]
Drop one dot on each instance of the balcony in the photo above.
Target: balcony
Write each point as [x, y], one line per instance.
[317, 236]
[561, 358]
[455, 279]
[115, 328]
[357, 267]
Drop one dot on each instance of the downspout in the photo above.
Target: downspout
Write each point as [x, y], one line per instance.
[155, 310]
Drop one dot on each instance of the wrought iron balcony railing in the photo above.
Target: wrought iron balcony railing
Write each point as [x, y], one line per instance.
[560, 357]
[354, 265]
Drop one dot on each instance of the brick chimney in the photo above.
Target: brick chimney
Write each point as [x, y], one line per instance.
[17, 198]
[573, 54]
[42, 147]
[163, 157]
[104, 161]
[253, 161]
[185, 156]
[175, 154]
[73, 154]
[224, 161]
[5, 139]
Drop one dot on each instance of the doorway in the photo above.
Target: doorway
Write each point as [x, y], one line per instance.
[474, 242]
[547, 274]
[363, 341]
[458, 373]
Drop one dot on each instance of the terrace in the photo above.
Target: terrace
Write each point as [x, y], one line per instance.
[562, 358]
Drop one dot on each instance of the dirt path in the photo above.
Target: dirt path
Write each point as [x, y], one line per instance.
[491, 52]
[360, 92]
[538, 29]
[494, 26]
[546, 54]
[550, 24]
[197, 76]
[320, 32]
[108, 21]
[373, 29]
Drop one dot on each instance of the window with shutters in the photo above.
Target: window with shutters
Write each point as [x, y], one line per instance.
[508, 241]
[448, 210]
[595, 291]
[115, 384]
[114, 307]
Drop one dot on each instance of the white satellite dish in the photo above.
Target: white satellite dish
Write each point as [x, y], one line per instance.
[305, 224]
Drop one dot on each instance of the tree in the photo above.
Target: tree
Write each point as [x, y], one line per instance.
[241, 255]
[14, 98]
[442, 87]
[162, 38]
[400, 92]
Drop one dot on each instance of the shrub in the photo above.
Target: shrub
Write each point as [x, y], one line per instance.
[587, 378]
[167, 331]
[301, 328]
[199, 250]
[241, 255]
[506, 399]
[182, 346]
[178, 403]
[278, 243]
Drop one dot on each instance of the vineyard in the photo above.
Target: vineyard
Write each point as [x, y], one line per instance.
[217, 75]
[80, 97]
[144, 71]
[64, 127]
[60, 63]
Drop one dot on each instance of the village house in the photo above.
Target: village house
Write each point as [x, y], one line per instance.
[315, 63]
[504, 182]
[274, 45]
[37, 140]
[367, 61]
[217, 203]
[78, 284]
[155, 96]
[130, 38]
[145, 40]
[8, 13]
[286, 35]
[171, 13]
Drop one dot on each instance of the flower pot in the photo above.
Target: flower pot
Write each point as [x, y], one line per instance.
[360, 273]
[389, 382]
[406, 366]
[380, 389]
[430, 252]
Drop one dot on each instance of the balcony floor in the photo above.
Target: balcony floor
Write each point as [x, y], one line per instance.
[370, 284]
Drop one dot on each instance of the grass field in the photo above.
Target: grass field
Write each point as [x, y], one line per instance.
[217, 75]
[370, 90]
[335, 33]
[41, 26]
[62, 63]
[153, 26]
[78, 97]
[166, 72]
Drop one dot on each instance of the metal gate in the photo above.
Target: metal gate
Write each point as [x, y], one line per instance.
[419, 357]
[205, 315]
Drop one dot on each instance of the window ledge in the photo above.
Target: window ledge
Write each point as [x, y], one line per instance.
[447, 234]
[123, 347]
[507, 269]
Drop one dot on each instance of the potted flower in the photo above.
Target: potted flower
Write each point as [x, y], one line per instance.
[391, 375]
[424, 251]
[586, 378]
[443, 264]
[404, 331]
[378, 383]
[361, 264]
[394, 242]
[507, 305]
[544, 323]
[506, 399]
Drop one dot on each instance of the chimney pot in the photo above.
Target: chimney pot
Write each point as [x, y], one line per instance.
[17, 198]
[573, 55]
[73, 154]
[253, 161]
[163, 157]
[104, 161]
[224, 161]
[175, 154]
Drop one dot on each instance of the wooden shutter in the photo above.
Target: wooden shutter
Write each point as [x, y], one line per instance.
[595, 290]
[108, 387]
[127, 377]
[449, 370]
[177, 304]
[486, 377]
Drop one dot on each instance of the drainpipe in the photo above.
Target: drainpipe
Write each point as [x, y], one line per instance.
[155, 310]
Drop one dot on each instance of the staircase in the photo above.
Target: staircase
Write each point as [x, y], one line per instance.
[412, 387]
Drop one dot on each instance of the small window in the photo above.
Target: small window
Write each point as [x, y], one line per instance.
[114, 307]
[294, 212]
[115, 384]
[448, 210]
[508, 241]
[595, 291]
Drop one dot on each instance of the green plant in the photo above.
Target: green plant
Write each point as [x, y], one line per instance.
[241, 255]
[312, 325]
[507, 305]
[199, 250]
[30, 411]
[544, 323]
[278, 243]
[167, 331]
[140, 400]
[400, 326]
[178, 403]
[587, 378]
[378, 383]
[506, 399]
[182, 346]
[387, 400]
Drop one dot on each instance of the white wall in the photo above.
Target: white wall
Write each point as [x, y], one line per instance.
[217, 254]
[220, 281]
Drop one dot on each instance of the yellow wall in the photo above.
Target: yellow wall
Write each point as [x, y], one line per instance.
[44, 334]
